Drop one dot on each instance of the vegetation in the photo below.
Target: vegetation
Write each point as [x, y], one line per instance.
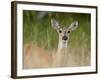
[37, 29]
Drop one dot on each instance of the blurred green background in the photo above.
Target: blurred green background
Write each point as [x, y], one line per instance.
[37, 29]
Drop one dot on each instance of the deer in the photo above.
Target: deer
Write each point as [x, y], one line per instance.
[63, 34]
[41, 58]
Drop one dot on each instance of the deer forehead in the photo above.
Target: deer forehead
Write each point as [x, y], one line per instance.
[62, 30]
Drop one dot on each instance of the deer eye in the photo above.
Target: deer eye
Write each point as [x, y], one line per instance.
[60, 31]
[68, 32]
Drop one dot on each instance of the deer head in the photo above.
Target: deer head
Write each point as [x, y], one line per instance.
[64, 32]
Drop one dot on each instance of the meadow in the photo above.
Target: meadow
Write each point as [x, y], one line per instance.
[38, 31]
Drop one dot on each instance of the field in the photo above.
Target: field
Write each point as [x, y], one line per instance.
[38, 32]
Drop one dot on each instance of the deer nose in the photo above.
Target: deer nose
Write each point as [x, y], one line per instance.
[64, 37]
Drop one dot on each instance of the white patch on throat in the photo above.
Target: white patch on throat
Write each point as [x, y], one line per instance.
[62, 44]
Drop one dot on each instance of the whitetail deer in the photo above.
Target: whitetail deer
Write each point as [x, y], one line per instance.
[41, 58]
[63, 34]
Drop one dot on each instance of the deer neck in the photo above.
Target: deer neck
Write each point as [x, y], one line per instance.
[62, 45]
[61, 51]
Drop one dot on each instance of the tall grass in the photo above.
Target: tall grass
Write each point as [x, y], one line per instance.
[38, 30]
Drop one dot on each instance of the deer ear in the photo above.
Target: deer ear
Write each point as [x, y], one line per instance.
[73, 26]
[55, 24]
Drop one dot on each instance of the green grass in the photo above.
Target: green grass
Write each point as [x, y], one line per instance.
[39, 31]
